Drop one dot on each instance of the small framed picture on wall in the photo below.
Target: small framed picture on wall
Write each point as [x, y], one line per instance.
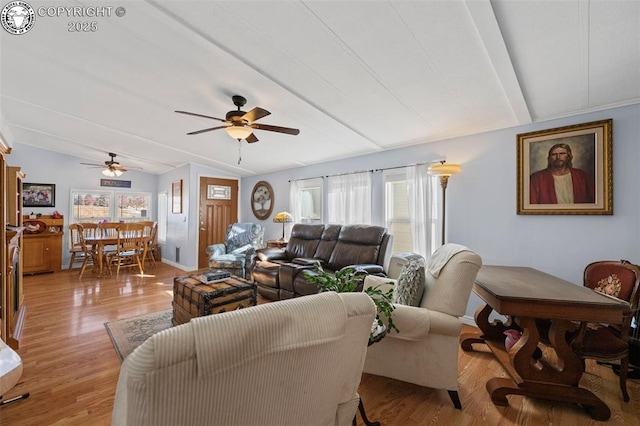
[176, 196]
[38, 195]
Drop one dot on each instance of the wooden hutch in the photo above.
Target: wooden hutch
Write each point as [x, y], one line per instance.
[43, 248]
[12, 309]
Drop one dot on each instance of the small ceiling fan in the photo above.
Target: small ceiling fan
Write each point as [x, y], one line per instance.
[111, 167]
[240, 125]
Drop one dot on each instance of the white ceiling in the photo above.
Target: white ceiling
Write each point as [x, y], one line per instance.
[355, 77]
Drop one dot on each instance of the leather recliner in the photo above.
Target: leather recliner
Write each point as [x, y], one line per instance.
[278, 272]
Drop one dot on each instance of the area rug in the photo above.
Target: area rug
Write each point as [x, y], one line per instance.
[129, 333]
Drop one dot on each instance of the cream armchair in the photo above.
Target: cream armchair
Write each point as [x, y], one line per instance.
[425, 352]
[296, 362]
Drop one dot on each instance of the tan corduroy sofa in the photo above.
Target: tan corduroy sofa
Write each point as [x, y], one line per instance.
[295, 362]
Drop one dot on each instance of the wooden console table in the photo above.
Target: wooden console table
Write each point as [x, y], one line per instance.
[524, 295]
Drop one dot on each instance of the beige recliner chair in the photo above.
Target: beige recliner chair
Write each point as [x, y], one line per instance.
[425, 352]
[296, 362]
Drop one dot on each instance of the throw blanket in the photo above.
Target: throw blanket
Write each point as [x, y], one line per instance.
[441, 256]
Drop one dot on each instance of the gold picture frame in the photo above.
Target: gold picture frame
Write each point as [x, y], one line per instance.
[566, 170]
[176, 196]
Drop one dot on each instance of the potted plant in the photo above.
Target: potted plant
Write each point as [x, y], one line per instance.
[348, 280]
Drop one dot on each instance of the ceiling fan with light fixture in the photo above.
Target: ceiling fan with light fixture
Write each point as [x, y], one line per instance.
[240, 125]
[111, 167]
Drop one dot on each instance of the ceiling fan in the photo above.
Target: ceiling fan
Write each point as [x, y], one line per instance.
[111, 167]
[240, 125]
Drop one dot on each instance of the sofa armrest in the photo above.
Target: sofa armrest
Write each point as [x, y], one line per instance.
[216, 250]
[271, 253]
[371, 269]
[383, 283]
[416, 323]
[307, 261]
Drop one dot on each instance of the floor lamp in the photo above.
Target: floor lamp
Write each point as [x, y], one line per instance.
[444, 170]
[283, 218]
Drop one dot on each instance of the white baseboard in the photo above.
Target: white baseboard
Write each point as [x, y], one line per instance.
[468, 321]
[177, 265]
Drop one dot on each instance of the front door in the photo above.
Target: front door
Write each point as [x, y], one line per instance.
[218, 209]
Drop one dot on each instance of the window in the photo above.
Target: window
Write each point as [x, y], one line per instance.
[349, 198]
[97, 206]
[133, 206]
[163, 209]
[91, 206]
[305, 199]
[397, 210]
[410, 209]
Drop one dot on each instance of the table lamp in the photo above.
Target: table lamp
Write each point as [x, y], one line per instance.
[283, 218]
[444, 170]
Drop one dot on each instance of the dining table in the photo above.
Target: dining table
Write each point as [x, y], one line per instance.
[527, 297]
[98, 244]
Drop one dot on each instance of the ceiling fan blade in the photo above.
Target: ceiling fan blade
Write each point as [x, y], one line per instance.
[206, 130]
[278, 129]
[200, 115]
[255, 114]
[252, 138]
[92, 164]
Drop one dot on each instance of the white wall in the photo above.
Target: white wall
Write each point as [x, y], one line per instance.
[481, 202]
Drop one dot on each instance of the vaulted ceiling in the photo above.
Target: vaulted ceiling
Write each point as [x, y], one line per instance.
[355, 77]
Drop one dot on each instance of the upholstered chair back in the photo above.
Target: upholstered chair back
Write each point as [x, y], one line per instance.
[449, 277]
[304, 240]
[295, 362]
[398, 261]
[327, 242]
[242, 234]
[357, 245]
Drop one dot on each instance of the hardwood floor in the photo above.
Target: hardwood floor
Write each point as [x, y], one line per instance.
[71, 368]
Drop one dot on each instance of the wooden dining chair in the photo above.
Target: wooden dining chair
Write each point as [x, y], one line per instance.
[89, 254]
[148, 226]
[152, 245]
[107, 230]
[610, 342]
[75, 246]
[89, 229]
[80, 251]
[130, 248]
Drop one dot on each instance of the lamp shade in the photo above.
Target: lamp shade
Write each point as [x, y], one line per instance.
[239, 132]
[283, 217]
[112, 172]
[445, 169]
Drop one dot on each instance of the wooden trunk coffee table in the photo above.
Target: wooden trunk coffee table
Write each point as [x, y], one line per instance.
[524, 295]
[191, 298]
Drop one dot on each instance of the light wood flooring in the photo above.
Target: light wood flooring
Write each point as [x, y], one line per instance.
[71, 368]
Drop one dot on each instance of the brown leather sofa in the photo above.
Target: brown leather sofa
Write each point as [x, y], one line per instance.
[279, 274]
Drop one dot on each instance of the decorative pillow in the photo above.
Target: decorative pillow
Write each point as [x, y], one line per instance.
[610, 286]
[410, 285]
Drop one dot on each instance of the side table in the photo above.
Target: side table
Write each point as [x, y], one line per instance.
[277, 243]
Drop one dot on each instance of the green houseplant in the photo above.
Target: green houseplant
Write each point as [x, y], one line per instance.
[347, 280]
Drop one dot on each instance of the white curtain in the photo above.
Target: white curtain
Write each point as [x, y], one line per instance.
[349, 198]
[422, 193]
[294, 200]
